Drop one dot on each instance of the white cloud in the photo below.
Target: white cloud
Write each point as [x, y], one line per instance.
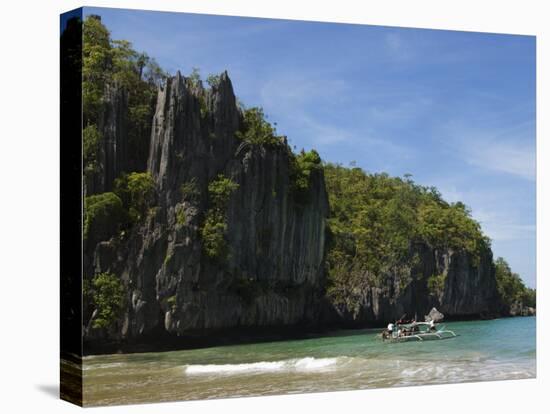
[498, 209]
[409, 108]
[502, 227]
[511, 231]
[508, 150]
[292, 91]
[502, 156]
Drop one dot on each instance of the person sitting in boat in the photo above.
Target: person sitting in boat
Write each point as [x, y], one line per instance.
[388, 332]
[402, 320]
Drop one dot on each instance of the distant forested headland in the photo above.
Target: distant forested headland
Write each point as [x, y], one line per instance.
[200, 219]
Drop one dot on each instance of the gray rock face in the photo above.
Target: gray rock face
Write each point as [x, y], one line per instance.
[114, 130]
[519, 309]
[113, 150]
[469, 289]
[470, 286]
[273, 275]
[434, 315]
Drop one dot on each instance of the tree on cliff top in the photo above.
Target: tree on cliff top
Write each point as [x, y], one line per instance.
[256, 130]
[115, 62]
[96, 66]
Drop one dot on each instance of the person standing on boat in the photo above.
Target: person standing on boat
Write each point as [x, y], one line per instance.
[432, 325]
[390, 329]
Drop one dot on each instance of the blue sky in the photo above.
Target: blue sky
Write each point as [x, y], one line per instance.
[454, 109]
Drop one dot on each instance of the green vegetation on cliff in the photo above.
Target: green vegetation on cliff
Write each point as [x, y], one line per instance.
[215, 222]
[190, 190]
[256, 130]
[104, 216]
[106, 294]
[375, 219]
[302, 166]
[91, 140]
[96, 64]
[108, 213]
[436, 284]
[511, 288]
[107, 62]
[136, 190]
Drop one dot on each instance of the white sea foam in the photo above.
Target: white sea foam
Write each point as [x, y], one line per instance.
[302, 364]
[311, 363]
[459, 371]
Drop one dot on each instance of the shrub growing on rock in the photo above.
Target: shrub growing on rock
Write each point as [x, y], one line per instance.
[212, 234]
[104, 216]
[190, 190]
[301, 168]
[108, 298]
[256, 130]
[136, 190]
[91, 140]
[215, 221]
[436, 284]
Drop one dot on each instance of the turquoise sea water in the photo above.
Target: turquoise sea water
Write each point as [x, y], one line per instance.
[484, 350]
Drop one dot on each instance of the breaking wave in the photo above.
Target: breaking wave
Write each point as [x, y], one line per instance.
[301, 364]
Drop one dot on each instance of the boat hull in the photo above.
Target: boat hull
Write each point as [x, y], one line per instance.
[432, 336]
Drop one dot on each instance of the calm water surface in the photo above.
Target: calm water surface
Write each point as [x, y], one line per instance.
[484, 350]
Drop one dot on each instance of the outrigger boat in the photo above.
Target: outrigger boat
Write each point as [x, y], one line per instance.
[416, 331]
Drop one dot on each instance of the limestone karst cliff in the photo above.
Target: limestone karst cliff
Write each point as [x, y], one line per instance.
[270, 240]
[273, 272]
[468, 289]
